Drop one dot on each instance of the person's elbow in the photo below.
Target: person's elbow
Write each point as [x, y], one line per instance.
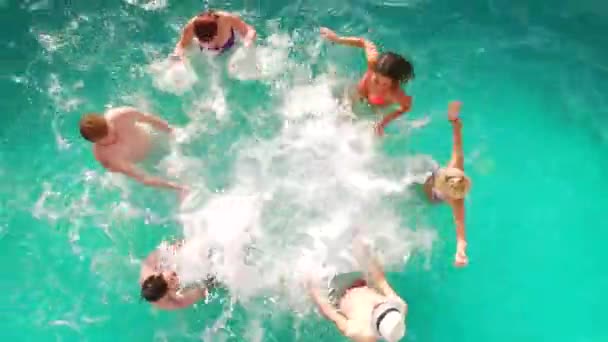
[144, 179]
[367, 45]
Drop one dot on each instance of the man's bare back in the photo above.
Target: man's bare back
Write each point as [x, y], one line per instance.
[131, 142]
[120, 141]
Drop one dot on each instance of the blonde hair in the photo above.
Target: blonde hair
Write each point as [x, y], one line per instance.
[452, 182]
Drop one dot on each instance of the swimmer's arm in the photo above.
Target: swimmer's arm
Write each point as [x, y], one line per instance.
[458, 212]
[246, 31]
[371, 51]
[132, 171]
[329, 312]
[379, 279]
[372, 266]
[457, 159]
[154, 121]
[185, 39]
[405, 105]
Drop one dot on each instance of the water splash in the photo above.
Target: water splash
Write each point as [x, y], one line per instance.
[295, 199]
[295, 204]
[148, 5]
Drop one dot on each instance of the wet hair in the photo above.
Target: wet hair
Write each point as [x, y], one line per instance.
[205, 26]
[395, 67]
[93, 127]
[154, 288]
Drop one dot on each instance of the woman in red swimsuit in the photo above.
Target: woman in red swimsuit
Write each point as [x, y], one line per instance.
[381, 83]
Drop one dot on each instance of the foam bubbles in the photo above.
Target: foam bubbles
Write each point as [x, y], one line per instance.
[295, 204]
[148, 5]
[263, 61]
[173, 76]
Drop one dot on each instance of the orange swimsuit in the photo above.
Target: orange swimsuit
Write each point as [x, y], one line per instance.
[376, 100]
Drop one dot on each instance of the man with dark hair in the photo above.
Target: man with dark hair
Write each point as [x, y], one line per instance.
[120, 141]
[161, 286]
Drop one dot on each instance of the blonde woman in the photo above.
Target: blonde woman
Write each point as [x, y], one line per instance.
[450, 184]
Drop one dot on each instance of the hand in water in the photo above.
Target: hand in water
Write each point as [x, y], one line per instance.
[183, 193]
[250, 38]
[175, 58]
[454, 110]
[248, 42]
[461, 259]
[328, 34]
[379, 129]
[311, 286]
[361, 251]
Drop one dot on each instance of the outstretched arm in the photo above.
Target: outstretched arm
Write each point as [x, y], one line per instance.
[132, 171]
[327, 310]
[461, 258]
[457, 160]
[373, 268]
[185, 39]
[371, 52]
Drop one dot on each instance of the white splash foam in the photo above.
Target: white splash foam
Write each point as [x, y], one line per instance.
[263, 61]
[148, 5]
[173, 76]
[295, 204]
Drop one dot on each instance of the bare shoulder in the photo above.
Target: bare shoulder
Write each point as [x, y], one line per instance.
[404, 98]
[107, 158]
[120, 112]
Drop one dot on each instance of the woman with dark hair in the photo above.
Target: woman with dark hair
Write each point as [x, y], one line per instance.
[381, 84]
[214, 31]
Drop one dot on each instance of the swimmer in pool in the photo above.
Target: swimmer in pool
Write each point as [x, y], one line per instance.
[214, 31]
[365, 311]
[160, 283]
[450, 184]
[119, 142]
[381, 84]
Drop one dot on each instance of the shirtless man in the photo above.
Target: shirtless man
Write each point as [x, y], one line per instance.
[120, 142]
[365, 312]
[160, 283]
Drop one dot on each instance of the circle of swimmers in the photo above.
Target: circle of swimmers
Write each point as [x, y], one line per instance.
[362, 305]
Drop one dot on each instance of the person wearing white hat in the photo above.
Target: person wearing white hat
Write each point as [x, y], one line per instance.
[450, 184]
[365, 311]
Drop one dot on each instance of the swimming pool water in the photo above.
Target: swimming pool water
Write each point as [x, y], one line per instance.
[532, 78]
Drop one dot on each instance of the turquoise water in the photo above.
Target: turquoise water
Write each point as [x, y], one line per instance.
[531, 78]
